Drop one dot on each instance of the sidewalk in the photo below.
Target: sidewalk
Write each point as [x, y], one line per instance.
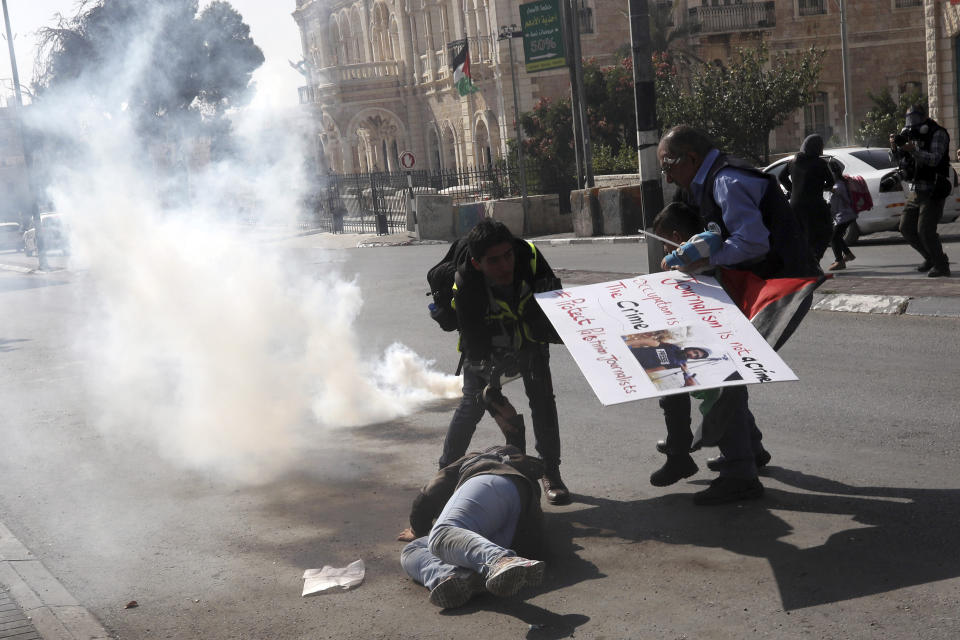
[33, 604]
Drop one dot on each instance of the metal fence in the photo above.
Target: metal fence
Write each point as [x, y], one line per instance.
[377, 202]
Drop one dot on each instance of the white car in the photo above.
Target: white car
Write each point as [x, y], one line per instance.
[880, 174]
[11, 236]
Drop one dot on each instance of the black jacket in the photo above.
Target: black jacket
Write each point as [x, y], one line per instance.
[488, 322]
[789, 255]
[806, 178]
[503, 460]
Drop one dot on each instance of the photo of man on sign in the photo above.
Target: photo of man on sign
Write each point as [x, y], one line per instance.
[674, 358]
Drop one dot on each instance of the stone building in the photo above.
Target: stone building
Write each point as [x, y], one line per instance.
[379, 80]
[885, 42]
[941, 19]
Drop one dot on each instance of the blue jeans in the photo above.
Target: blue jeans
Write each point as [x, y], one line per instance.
[537, 382]
[471, 534]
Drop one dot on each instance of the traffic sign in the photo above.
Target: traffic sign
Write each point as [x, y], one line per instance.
[407, 160]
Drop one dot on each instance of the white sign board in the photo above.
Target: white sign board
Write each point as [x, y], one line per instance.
[660, 334]
[407, 160]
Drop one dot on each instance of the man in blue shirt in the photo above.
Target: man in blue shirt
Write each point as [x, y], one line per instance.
[761, 234]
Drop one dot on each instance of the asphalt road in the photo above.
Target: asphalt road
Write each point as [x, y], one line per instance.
[856, 537]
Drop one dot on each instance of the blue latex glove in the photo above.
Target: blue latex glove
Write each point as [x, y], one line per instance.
[696, 248]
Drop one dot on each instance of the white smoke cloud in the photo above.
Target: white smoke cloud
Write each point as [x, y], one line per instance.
[201, 340]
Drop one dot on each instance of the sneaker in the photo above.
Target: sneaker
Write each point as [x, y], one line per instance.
[837, 266]
[728, 489]
[939, 272]
[456, 589]
[716, 464]
[510, 574]
[554, 489]
[675, 469]
[924, 266]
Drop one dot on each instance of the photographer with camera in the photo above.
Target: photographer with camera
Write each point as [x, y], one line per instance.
[921, 151]
[503, 333]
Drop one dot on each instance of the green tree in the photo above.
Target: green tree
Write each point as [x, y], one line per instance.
[608, 94]
[166, 62]
[739, 104]
[886, 116]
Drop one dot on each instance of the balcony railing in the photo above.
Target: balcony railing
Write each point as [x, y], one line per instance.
[308, 95]
[812, 7]
[363, 71]
[733, 18]
[349, 74]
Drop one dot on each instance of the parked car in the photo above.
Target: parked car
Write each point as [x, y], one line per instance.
[11, 236]
[880, 174]
[55, 235]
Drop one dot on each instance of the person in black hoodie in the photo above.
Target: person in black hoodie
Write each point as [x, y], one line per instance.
[806, 177]
[487, 509]
[502, 327]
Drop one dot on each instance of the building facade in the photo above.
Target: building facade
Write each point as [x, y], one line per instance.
[378, 78]
[941, 20]
[886, 46]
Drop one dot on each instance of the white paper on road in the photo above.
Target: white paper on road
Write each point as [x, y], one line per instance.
[630, 337]
[317, 581]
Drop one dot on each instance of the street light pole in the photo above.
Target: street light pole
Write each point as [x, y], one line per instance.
[509, 33]
[13, 55]
[645, 98]
[845, 62]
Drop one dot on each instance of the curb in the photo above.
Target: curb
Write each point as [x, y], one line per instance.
[54, 613]
[10, 267]
[888, 305]
[564, 242]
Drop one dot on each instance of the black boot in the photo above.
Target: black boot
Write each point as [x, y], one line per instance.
[676, 468]
[553, 487]
[940, 270]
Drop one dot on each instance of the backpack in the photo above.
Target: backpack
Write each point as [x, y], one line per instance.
[441, 278]
[860, 198]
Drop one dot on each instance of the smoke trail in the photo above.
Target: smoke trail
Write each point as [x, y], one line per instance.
[200, 340]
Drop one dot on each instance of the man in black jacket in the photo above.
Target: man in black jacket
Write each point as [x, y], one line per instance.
[923, 151]
[760, 234]
[504, 330]
[487, 508]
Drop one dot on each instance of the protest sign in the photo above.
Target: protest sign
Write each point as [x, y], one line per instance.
[660, 334]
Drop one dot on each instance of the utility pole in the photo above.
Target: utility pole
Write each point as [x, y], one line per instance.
[845, 61]
[645, 97]
[581, 107]
[13, 55]
[509, 33]
[575, 97]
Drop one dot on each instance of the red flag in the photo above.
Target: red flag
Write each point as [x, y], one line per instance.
[776, 306]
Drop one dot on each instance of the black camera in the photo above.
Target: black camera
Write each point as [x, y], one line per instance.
[906, 166]
[906, 135]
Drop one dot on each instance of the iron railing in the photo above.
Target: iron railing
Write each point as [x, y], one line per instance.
[377, 202]
[812, 7]
[733, 18]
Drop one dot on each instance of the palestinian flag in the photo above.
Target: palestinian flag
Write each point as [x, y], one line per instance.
[775, 306]
[460, 63]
